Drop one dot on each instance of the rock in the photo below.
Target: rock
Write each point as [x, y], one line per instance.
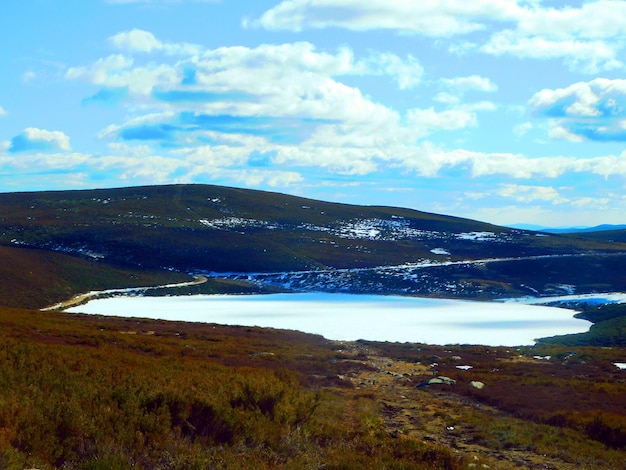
[476, 384]
[437, 381]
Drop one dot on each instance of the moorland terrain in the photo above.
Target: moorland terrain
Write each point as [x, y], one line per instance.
[92, 392]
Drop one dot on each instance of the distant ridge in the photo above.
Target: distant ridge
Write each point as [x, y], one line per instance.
[578, 229]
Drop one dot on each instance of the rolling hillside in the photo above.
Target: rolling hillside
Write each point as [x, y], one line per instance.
[212, 229]
[95, 392]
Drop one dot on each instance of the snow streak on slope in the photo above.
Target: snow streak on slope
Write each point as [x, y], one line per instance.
[423, 279]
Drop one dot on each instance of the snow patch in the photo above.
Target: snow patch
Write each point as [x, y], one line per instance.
[439, 251]
[226, 223]
[476, 236]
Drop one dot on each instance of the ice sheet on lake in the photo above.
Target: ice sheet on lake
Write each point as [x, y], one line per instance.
[598, 298]
[352, 317]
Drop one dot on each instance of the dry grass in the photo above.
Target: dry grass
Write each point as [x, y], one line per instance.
[96, 392]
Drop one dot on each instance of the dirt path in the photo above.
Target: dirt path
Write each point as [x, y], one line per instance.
[81, 298]
[437, 415]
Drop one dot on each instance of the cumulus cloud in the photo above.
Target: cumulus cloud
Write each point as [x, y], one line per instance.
[427, 159]
[268, 70]
[424, 121]
[138, 40]
[594, 110]
[583, 55]
[285, 93]
[530, 193]
[435, 19]
[33, 139]
[117, 71]
[589, 38]
[215, 111]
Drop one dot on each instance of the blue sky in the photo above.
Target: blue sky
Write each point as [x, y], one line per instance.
[507, 111]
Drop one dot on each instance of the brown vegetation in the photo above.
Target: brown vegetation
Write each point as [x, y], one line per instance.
[92, 392]
[96, 392]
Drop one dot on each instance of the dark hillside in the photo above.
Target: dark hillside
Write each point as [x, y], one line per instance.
[212, 228]
[606, 235]
[33, 278]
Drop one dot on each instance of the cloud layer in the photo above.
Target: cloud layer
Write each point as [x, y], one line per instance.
[473, 107]
[33, 139]
[583, 37]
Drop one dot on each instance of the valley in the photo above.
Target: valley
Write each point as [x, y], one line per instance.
[94, 392]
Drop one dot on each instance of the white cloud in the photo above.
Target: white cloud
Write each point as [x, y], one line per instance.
[2, 112]
[528, 193]
[58, 138]
[42, 162]
[435, 19]
[245, 100]
[286, 76]
[408, 73]
[32, 139]
[118, 71]
[558, 132]
[424, 121]
[589, 38]
[427, 159]
[522, 129]
[138, 40]
[584, 98]
[593, 110]
[592, 20]
[469, 83]
[447, 98]
[270, 178]
[586, 56]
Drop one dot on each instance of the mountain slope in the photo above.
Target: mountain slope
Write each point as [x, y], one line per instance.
[211, 228]
[276, 240]
[34, 278]
[618, 236]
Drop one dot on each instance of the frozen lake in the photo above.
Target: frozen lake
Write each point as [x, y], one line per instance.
[352, 317]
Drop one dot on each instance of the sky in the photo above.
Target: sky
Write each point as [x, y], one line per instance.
[505, 111]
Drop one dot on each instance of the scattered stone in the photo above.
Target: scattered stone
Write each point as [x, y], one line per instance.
[476, 384]
[441, 380]
[262, 354]
[542, 358]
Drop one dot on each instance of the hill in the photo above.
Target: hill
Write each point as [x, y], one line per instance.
[597, 228]
[213, 229]
[618, 235]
